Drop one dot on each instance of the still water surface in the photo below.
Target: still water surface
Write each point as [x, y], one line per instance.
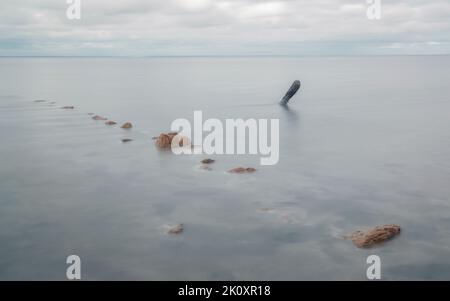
[366, 141]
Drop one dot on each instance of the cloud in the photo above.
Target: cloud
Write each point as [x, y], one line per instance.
[223, 27]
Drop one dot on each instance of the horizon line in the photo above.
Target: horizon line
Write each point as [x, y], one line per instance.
[216, 55]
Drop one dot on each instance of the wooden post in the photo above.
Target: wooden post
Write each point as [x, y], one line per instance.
[291, 92]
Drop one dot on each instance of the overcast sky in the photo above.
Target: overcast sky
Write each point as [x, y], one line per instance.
[223, 27]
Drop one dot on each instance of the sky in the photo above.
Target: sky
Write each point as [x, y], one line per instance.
[223, 27]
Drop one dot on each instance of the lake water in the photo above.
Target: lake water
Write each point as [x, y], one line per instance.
[365, 142]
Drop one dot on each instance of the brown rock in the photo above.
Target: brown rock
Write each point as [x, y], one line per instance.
[241, 170]
[165, 140]
[110, 122]
[208, 161]
[184, 141]
[178, 229]
[127, 140]
[127, 125]
[97, 117]
[369, 238]
[68, 107]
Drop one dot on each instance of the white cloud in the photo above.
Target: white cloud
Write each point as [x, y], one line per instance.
[156, 27]
[194, 5]
[261, 10]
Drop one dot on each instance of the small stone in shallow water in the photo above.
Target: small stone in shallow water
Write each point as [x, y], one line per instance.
[97, 117]
[126, 140]
[40, 100]
[242, 170]
[110, 122]
[208, 161]
[165, 140]
[369, 238]
[68, 107]
[127, 125]
[177, 229]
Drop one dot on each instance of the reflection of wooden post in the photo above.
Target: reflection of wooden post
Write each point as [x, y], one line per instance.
[291, 92]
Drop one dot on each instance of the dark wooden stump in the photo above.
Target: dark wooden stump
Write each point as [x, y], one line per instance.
[291, 92]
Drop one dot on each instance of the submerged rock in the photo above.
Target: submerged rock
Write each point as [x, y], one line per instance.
[97, 117]
[208, 161]
[110, 122]
[126, 140]
[178, 229]
[369, 238]
[40, 100]
[241, 170]
[68, 107]
[265, 209]
[90, 114]
[127, 125]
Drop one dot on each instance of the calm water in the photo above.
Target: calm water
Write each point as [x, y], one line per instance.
[365, 142]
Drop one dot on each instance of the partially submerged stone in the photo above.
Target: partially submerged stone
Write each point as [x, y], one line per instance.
[126, 140]
[127, 125]
[241, 170]
[208, 161]
[40, 100]
[178, 229]
[110, 122]
[97, 117]
[165, 140]
[68, 107]
[371, 237]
